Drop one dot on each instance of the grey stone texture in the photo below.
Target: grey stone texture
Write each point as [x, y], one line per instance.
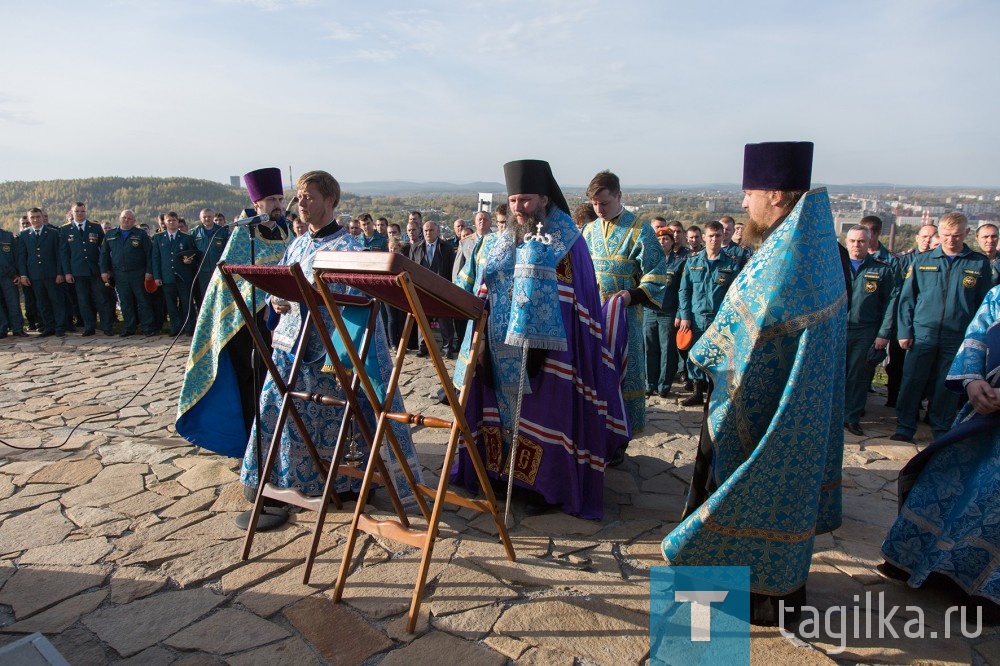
[121, 546]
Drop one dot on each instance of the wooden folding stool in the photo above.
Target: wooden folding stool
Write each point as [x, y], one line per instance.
[289, 283]
[404, 284]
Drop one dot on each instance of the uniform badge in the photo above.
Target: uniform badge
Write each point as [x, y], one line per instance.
[969, 281]
[909, 272]
[5, 247]
[722, 279]
[219, 243]
[70, 238]
[92, 238]
[135, 242]
[870, 287]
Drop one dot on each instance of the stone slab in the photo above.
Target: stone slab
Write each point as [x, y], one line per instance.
[231, 499]
[82, 646]
[207, 474]
[69, 472]
[39, 527]
[202, 563]
[158, 552]
[85, 551]
[462, 586]
[26, 500]
[385, 589]
[226, 631]
[594, 630]
[471, 625]
[111, 484]
[141, 504]
[435, 646]
[559, 524]
[91, 516]
[60, 616]
[31, 589]
[289, 652]
[186, 505]
[131, 583]
[170, 489]
[138, 625]
[316, 617]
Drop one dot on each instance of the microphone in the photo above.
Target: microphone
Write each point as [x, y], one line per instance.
[250, 221]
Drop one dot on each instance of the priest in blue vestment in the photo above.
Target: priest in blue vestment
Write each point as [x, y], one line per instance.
[767, 475]
[217, 403]
[949, 493]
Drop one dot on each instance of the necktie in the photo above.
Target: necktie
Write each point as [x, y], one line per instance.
[430, 254]
[171, 237]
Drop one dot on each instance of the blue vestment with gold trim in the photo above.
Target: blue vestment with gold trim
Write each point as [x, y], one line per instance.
[775, 354]
[627, 255]
[209, 413]
[949, 493]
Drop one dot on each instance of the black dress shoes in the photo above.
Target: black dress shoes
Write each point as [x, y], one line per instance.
[854, 429]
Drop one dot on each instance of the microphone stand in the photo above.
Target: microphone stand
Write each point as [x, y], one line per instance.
[271, 517]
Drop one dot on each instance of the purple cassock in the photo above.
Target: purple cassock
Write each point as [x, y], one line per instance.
[572, 417]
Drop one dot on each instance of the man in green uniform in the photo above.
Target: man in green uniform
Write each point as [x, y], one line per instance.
[81, 256]
[659, 326]
[940, 294]
[871, 321]
[370, 238]
[11, 319]
[174, 264]
[986, 239]
[629, 261]
[38, 262]
[127, 257]
[705, 281]
[210, 239]
[730, 246]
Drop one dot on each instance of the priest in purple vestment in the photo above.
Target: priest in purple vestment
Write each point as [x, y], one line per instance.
[572, 416]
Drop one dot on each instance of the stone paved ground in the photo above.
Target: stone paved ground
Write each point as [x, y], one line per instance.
[120, 546]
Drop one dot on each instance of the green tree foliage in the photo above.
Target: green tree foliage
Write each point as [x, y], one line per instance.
[107, 196]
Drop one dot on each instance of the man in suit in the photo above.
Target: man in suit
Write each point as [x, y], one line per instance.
[81, 256]
[38, 265]
[439, 257]
[174, 263]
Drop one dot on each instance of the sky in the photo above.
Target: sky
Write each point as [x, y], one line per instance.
[660, 92]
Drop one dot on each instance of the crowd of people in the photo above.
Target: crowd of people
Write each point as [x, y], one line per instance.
[771, 324]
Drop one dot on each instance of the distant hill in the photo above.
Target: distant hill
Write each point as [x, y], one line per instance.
[393, 187]
[107, 196]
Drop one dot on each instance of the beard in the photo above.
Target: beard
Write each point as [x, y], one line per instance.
[519, 225]
[756, 232]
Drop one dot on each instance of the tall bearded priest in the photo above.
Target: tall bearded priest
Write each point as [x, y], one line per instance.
[572, 416]
[767, 474]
